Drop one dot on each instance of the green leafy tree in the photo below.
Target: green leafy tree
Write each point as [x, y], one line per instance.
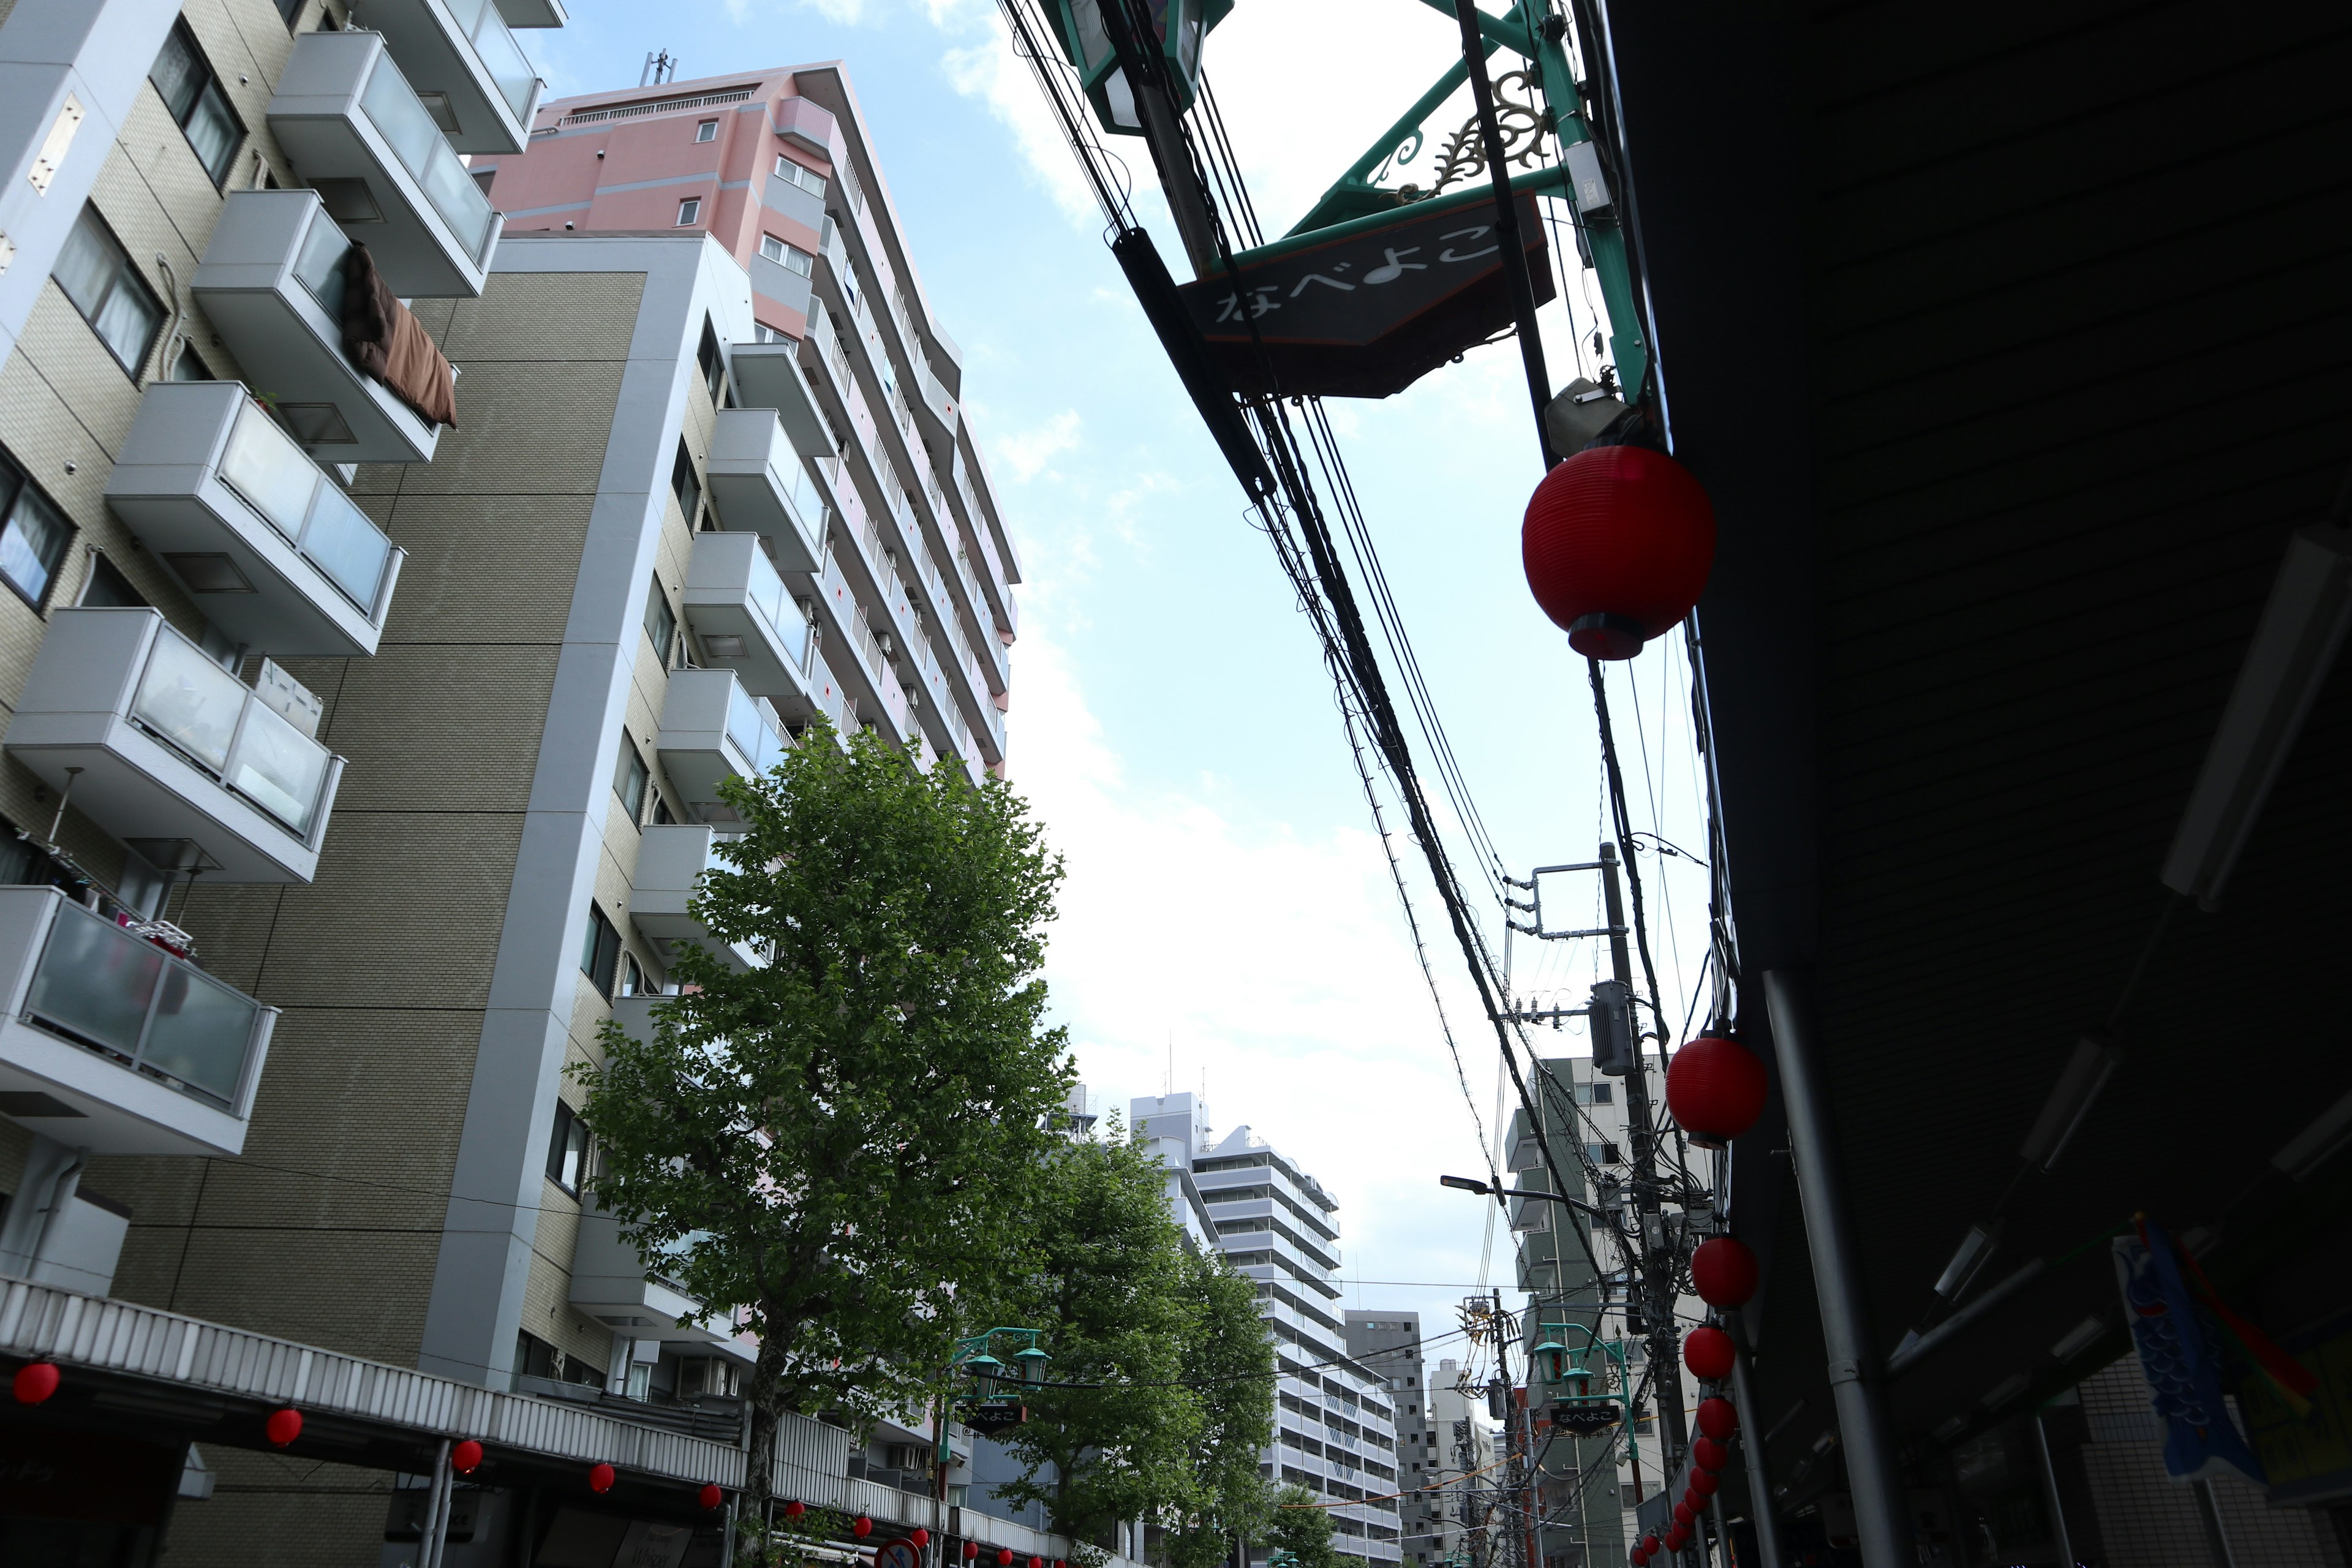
[1230, 1363]
[1297, 1524]
[845, 1141]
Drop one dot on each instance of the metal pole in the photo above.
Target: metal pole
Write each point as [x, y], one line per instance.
[1507, 230]
[1751, 1447]
[1880, 1518]
[2050, 1491]
[428, 1532]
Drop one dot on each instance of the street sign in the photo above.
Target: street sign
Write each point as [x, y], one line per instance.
[1368, 313]
[988, 1420]
[900, 1553]
[1584, 1420]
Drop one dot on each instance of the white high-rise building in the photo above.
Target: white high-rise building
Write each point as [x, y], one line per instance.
[1335, 1421]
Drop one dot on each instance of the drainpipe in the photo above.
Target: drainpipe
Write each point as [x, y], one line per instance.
[1882, 1518]
[1751, 1447]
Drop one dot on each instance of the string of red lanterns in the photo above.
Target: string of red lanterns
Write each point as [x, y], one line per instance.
[1716, 1088]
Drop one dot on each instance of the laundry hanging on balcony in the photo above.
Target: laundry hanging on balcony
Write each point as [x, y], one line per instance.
[386, 340]
[1367, 308]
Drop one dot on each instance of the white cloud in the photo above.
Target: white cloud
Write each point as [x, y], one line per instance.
[1025, 453]
[991, 72]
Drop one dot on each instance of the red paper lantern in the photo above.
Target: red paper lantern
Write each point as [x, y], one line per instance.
[601, 1478]
[711, 1495]
[1723, 1272]
[1684, 1513]
[1707, 1351]
[1617, 544]
[1677, 1538]
[970, 1550]
[36, 1380]
[1718, 1419]
[1703, 1483]
[1005, 1557]
[1710, 1455]
[794, 1509]
[1036, 1563]
[1715, 1086]
[1650, 1544]
[921, 1536]
[283, 1425]
[1641, 1558]
[466, 1457]
[862, 1528]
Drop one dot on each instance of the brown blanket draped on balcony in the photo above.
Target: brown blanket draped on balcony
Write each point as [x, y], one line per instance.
[391, 344]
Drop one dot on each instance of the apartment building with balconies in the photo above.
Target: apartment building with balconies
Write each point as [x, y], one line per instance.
[357, 766]
[915, 601]
[1336, 1419]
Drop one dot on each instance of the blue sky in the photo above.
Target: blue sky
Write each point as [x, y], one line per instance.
[1229, 916]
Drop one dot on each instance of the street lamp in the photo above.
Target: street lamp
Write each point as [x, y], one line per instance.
[1175, 30]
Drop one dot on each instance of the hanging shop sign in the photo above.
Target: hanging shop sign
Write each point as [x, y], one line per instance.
[1369, 311]
[988, 1420]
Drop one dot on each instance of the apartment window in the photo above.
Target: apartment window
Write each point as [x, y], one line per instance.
[684, 485]
[808, 180]
[98, 277]
[567, 1150]
[193, 94]
[534, 1357]
[661, 623]
[789, 257]
[706, 131]
[630, 779]
[106, 585]
[849, 281]
[763, 334]
[1603, 1094]
[33, 538]
[186, 367]
[600, 952]
[689, 210]
[711, 359]
[635, 981]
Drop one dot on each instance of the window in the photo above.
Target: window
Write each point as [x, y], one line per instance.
[763, 334]
[661, 623]
[108, 292]
[107, 585]
[567, 1150]
[1602, 1094]
[633, 980]
[33, 538]
[850, 282]
[600, 950]
[808, 180]
[706, 131]
[684, 485]
[712, 360]
[689, 210]
[534, 1357]
[792, 257]
[662, 816]
[629, 780]
[193, 96]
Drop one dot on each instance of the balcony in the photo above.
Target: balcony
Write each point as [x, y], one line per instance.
[156, 741]
[760, 485]
[110, 1043]
[744, 617]
[671, 859]
[271, 550]
[713, 730]
[272, 283]
[462, 58]
[611, 1281]
[358, 133]
[768, 375]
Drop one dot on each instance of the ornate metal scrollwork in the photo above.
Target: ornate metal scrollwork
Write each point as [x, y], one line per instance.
[1521, 122]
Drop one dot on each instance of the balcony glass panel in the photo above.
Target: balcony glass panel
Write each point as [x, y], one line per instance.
[762, 745]
[265, 467]
[768, 595]
[218, 721]
[502, 56]
[190, 702]
[161, 1014]
[408, 128]
[321, 265]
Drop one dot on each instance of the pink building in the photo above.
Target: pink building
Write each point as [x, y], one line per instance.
[776, 164]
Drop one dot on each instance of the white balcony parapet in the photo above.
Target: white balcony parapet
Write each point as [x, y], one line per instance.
[768, 375]
[271, 550]
[358, 133]
[759, 484]
[111, 1044]
[156, 741]
[745, 618]
[671, 860]
[272, 284]
[462, 58]
[610, 1281]
[713, 730]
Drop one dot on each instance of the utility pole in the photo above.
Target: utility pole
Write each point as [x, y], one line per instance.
[1650, 1286]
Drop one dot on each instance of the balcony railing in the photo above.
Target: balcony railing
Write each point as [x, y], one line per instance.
[713, 730]
[759, 484]
[272, 550]
[672, 859]
[163, 744]
[142, 1050]
[271, 283]
[462, 58]
[358, 133]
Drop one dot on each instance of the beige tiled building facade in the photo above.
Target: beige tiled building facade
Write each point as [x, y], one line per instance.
[356, 770]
